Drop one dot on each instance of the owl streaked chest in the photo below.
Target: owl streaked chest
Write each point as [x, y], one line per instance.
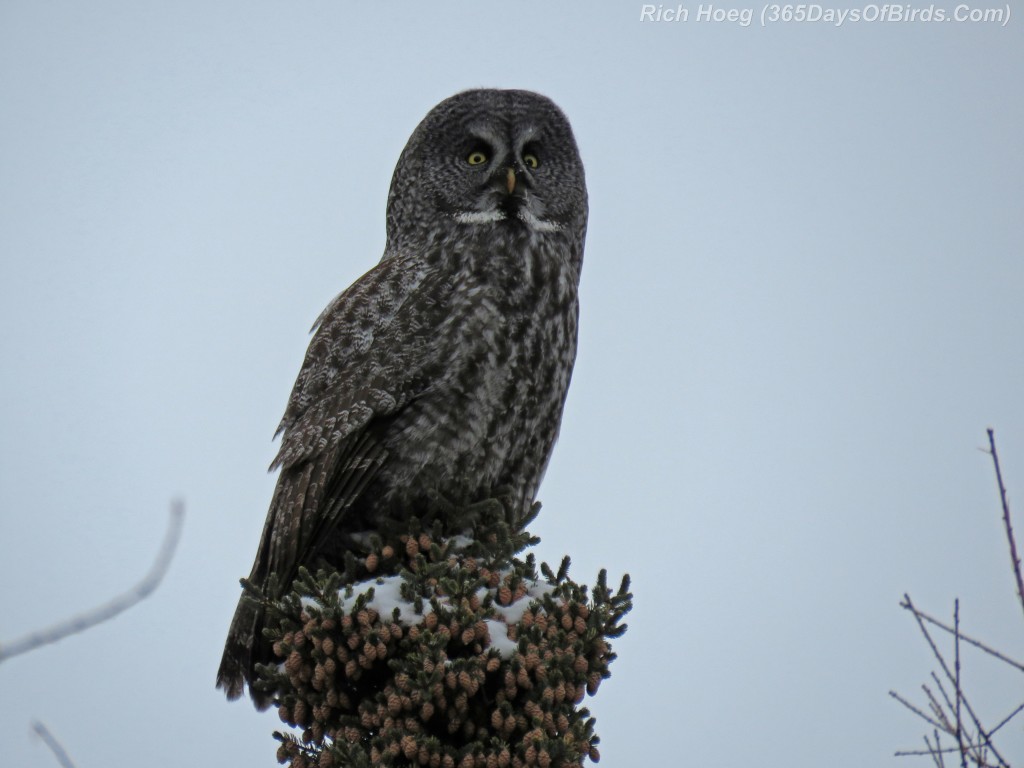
[507, 341]
[502, 358]
[511, 273]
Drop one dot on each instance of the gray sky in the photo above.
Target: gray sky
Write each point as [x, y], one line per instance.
[801, 308]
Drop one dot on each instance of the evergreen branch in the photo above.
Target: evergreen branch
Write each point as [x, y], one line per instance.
[437, 644]
[113, 607]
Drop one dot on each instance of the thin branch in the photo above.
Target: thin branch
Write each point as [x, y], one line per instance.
[938, 751]
[966, 638]
[55, 746]
[942, 690]
[956, 684]
[919, 712]
[1014, 557]
[937, 710]
[113, 607]
[935, 751]
[974, 745]
[965, 738]
[983, 735]
[1008, 718]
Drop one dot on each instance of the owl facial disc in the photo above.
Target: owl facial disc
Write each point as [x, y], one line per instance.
[513, 201]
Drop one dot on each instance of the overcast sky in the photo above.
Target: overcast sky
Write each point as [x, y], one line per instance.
[801, 308]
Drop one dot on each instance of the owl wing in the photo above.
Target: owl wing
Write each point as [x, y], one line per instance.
[366, 361]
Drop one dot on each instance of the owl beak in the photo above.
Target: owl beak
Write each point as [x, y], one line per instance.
[510, 180]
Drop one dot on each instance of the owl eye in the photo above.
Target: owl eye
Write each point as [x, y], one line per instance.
[476, 157]
[530, 160]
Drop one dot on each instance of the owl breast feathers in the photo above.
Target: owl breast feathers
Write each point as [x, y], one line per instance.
[444, 369]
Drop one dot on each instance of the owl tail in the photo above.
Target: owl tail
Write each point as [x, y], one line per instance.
[238, 664]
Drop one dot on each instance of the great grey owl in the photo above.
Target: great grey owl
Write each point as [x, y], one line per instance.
[443, 370]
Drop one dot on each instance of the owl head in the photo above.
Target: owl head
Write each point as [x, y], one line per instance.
[489, 158]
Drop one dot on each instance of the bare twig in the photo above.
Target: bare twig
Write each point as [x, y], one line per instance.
[931, 751]
[917, 711]
[113, 607]
[984, 740]
[946, 711]
[55, 746]
[946, 714]
[936, 708]
[964, 739]
[1014, 557]
[942, 690]
[940, 761]
[959, 735]
[967, 639]
[1008, 718]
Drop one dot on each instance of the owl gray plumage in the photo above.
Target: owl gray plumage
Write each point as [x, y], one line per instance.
[444, 369]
